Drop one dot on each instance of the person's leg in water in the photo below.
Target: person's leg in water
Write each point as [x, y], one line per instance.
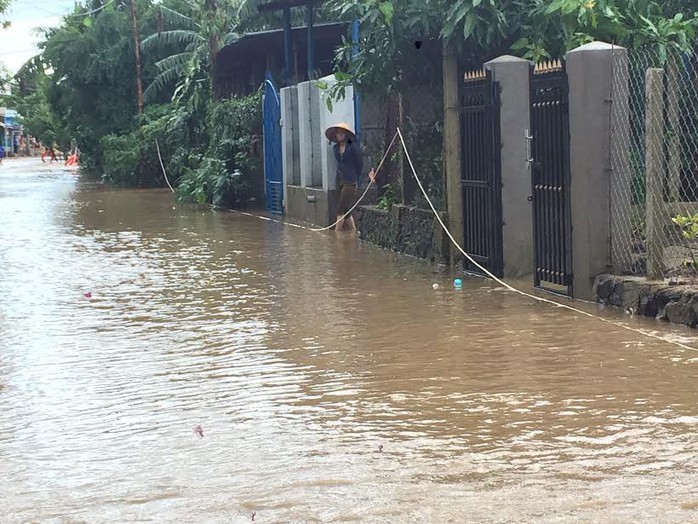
[347, 197]
[350, 202]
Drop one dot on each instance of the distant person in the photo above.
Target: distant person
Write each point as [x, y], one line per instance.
[51, 153]
[350, 166]
[15, 144]
[73, 158]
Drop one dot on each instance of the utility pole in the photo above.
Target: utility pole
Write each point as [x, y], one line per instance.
[137, 47]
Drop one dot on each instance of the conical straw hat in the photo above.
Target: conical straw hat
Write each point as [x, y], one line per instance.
[331, 132]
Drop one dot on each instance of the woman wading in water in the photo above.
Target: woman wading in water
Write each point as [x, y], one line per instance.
[350, 166]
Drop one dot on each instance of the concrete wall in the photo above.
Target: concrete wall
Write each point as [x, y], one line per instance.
[513, 76]
[308, 133]
[405, 229]
[312, 205]
[309, 164]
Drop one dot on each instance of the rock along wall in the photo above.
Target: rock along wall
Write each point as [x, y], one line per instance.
[405, 229]
[676, 304]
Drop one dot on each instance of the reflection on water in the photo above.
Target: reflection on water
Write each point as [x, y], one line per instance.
[299, 354]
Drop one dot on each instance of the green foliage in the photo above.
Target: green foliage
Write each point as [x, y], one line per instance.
[390, 196]
[122, 158]
[221, 174]
[189, 49]
[89, 78]
[425, 143]
[484, 29]
[688, 225]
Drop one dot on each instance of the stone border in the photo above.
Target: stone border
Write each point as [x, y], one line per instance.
[676, 304]
[405, 229]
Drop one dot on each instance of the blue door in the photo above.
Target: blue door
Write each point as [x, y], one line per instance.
[274, 186]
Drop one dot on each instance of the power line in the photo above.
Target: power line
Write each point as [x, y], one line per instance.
[88, 13]
[18, 52]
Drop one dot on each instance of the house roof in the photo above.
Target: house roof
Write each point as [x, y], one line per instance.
[282, 4]
[266, 40]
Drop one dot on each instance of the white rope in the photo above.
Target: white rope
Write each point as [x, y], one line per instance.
[511, 288]
[157, 146]
[365, 192]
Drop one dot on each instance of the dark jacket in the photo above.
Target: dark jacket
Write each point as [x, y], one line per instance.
[350, 165]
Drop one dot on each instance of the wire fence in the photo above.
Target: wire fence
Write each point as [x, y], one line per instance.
[654, 164]
[419, 113]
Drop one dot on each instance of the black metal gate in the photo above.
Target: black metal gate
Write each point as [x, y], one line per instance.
[549, 159]
[481, 177]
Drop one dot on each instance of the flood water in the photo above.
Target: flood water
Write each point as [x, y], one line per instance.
[300, 354]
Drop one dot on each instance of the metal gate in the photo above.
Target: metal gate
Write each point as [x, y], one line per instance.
[549, 158]
[481, 175]
[273, 170]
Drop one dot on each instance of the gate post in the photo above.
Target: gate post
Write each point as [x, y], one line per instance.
[289, 139]
[590, 75]
[654, 126]
[512, 74]
[452, 140]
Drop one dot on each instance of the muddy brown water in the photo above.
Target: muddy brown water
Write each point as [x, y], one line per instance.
[299, 354]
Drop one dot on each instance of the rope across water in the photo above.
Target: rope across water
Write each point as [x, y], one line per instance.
[485, 271]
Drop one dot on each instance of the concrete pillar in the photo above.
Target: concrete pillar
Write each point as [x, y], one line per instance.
[673, 96]
[308, 135]
[289, 135]
[342, 111]
[590, 75]
[621, 168]
[452, 154]
[654, 128]
[515, 116]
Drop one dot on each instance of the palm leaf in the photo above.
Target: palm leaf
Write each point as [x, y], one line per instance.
[160, 83]
[177, 19]
[176, 37]
[177, 61]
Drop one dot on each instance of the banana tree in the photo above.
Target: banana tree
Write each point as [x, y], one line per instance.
[191, 47]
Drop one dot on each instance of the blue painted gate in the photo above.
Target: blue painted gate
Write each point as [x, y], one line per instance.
[273, 170]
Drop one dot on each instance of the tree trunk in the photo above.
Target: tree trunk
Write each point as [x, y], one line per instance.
[137, 47]
[453, 196]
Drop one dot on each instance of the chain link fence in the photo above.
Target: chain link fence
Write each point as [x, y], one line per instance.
[654, 164]
[419, 113]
